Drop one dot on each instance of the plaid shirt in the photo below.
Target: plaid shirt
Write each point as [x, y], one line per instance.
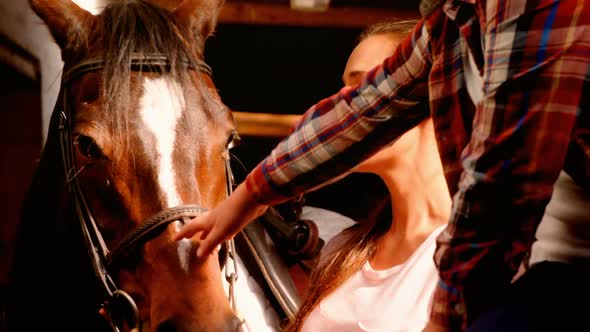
[503, 141]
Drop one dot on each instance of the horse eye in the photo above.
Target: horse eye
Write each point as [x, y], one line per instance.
[88, 147]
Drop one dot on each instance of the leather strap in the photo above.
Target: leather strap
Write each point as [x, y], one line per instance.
[254, 245]
[150, 229]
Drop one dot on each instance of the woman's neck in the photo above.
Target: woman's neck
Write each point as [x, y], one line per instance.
[420, 201]
[420, 204]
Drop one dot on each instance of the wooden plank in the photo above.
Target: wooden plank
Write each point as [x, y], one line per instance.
[337, 17]
[264, 124]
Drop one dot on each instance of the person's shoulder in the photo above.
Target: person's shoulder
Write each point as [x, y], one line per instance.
[439, 229]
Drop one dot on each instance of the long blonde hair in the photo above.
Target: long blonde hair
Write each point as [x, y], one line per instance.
[341, 258]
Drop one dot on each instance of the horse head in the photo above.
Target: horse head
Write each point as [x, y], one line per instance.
[138, 142]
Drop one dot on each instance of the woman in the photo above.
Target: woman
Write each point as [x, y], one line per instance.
[380, 276]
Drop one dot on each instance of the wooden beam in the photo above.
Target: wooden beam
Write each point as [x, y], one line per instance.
[336, 17]
[264, 124]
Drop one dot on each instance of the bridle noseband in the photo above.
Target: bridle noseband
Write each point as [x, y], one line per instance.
[102, 259]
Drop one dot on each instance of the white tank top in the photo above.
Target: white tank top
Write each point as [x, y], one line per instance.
[393, 300]
[564, 232]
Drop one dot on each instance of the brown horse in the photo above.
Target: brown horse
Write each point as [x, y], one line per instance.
[137, 143]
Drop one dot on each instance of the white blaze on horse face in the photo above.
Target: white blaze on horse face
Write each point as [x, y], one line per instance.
[160, 107]
[184, 254]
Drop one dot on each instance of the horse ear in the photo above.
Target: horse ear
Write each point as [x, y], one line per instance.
[68, 23]
[199, 16]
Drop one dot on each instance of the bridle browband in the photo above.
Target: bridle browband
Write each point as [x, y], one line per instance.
[103, 260]
[139, 62]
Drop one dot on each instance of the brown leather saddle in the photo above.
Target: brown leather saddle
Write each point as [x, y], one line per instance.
[278, 250]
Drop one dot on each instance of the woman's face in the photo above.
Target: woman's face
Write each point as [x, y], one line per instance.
[369, 53]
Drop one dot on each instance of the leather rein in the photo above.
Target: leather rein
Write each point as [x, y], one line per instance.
[118, 303]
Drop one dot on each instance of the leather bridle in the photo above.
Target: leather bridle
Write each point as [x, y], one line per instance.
[104, 261]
